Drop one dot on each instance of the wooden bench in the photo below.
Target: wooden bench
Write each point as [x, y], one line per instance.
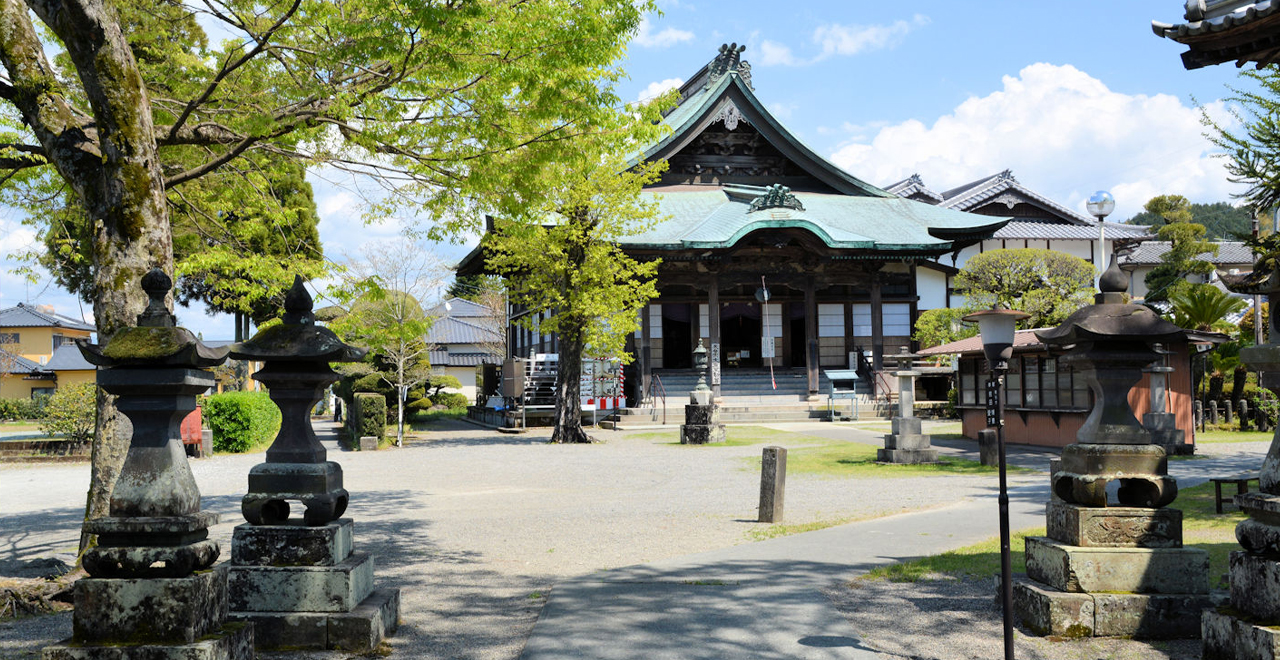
[1242, 486]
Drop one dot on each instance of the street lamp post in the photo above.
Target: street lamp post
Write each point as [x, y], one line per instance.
[996, 328]
[1100, 205]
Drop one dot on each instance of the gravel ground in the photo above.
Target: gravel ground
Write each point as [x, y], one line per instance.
[476, 527]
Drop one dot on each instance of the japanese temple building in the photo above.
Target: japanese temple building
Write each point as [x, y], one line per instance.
[763, 238]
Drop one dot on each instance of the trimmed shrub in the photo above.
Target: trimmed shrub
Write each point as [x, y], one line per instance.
[241, 421]
[13, 410]
[451, 400]
[370, 416]
[72, 411]
[418, 404]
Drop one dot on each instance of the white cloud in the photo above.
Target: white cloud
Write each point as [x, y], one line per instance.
[782, 111]
[665, 38]
[1064, 134]
[836, 39]
[840, 40]
[655, 89]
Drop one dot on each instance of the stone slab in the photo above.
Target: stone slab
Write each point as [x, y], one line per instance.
[234, 641]
[292, 545]
[1052, 613]
[1133, 570]
[1225, 637]
[336, 588]
[697, 414]
[154, 610]
[1114, 527]
[907, 456]
[368, 443]
[701, 434]
[905, 426]
[907, 441]
[1149, 616]
[1255, 585]
[359, 630]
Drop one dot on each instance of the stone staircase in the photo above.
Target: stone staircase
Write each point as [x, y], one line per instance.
[748, 397]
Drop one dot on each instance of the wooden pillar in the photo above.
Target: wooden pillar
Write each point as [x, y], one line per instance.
[646, 367]
[713, 329]
[811, 334]
[877, 324]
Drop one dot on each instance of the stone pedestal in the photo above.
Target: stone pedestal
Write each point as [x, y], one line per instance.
[906, 444]
[701, 424]
[1118, 571]
[1165, 433]
[303, 587]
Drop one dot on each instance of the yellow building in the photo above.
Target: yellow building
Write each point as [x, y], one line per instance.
[39, 352]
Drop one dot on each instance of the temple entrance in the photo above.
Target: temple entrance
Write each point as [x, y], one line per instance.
[796, 332]
[740, 333]
[677, 340]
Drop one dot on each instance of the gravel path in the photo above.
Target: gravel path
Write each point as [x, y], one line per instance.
[476, 527]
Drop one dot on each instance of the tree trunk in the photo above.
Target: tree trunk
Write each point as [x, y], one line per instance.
[568, 420]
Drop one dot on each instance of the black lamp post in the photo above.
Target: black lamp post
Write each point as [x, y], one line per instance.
[996, 328]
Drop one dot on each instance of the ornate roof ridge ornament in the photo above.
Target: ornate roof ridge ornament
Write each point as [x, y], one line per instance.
[1006, 175]
[776, 196]
[729, 60]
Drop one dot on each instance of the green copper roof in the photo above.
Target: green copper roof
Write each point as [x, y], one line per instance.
[718, 217]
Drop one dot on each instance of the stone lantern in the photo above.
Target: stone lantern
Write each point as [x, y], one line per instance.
[299, 581]
[1160, 422]
[907, 443]
[152, 590]
[701, 415]
[1250, 628]
[1112, 568]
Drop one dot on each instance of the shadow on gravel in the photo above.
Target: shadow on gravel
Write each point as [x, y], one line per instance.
[40, 533]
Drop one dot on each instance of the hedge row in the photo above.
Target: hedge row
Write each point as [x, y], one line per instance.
[241, 421]
[370, 416]
[12, 410]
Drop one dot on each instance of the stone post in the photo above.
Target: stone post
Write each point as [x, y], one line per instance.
[1197, 414]
[153, 592]
[1161, 423]
[988, 450]
[298, 581]
[1250, 627]
[1213, 412]
[906, 443]
[701, 415]
[773, 483]
[1112, 568]
[1227, 415]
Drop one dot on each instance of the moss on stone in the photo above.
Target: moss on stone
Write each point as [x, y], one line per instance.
[1077, 631]
[145, 343]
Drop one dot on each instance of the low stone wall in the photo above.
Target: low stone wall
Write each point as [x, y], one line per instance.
[43, 449]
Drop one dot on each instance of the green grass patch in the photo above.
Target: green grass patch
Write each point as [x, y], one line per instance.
[1202, 528]
[423, 419]
[854, 459]
[735, 436]
[1211, 436]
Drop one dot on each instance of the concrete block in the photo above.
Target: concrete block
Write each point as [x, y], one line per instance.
[1149, 616]
[907, 456]
[362, 628]
[160, 610]
[988, 448]
[1114, 527]
[368, 443]
[292, 545]
[1255, 586]
[301, 588]
[1134, 570]
[234, 641]
[1046, 612]
[905, 426]
[1228, 638]
[907, 441]
[700, 434]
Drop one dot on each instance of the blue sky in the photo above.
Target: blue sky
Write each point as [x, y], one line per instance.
[1072, 97]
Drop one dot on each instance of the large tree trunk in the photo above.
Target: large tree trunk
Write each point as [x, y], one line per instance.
[112, 167]
[568, 420]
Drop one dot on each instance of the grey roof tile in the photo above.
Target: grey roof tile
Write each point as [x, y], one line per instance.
[68, 358]
[1150, 252]
[448, 330]
[26, 316]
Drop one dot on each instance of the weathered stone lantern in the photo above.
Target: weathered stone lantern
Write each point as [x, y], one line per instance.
[299, 581]
[150, 591]
[701, 415]
[1112, 568]
[907, 443]
[1160, 422]
[1251, 627]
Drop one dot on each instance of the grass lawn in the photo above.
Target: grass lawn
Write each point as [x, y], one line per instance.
[1216, 435]
[1202, 528]
[19, 427]
[422, 420]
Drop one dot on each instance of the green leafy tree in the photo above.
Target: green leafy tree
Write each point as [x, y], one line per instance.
[1204, 307]
[386, 317]
[1253, 151]
[572, 267]
[1187, 248]
[936, 327]
[1047, 284]
[71, 412]
[1221, 220]
[119, 104]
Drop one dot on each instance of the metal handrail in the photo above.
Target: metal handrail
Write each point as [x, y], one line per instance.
[656, 391]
